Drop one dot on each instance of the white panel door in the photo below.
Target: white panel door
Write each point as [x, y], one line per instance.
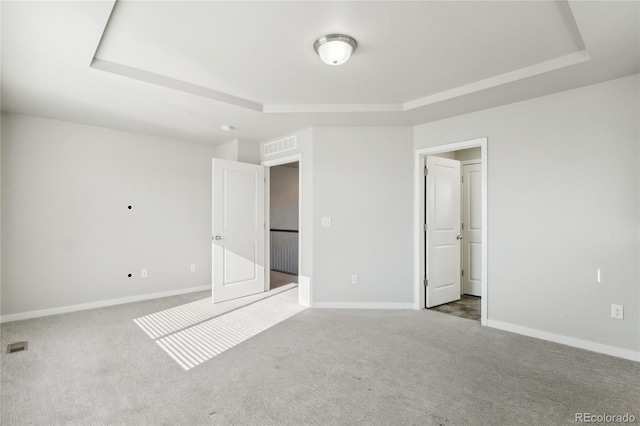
[238, 230]
[472, 229]
[443, 231]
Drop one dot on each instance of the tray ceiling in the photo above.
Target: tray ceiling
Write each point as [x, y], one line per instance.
[181, 69]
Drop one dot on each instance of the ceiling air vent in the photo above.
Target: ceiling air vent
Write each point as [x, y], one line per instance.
[17, 347]
[286, 144]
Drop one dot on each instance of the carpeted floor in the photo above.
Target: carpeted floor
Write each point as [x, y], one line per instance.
[201, 341]
[319, 367]
[168, 321]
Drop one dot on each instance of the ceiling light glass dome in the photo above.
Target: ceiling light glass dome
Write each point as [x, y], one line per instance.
[335, 49]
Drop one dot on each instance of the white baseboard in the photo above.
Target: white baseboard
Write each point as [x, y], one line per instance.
[350, 305]
[99, 304]
[565, 340]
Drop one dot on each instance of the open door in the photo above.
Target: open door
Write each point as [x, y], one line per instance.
[443, 231]
[472, 229]
[238, 230]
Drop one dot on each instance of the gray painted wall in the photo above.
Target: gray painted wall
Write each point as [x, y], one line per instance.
[248, 151]
[461, 155]
[564, 198]
[363, 180]
[238, 150]
[468, 154]
[449, 154]
[67, 235]
[227, 150]
[283, 209]
[564, 193]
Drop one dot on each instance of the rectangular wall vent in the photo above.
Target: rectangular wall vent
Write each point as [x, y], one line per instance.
[17, 347]
[286, 144]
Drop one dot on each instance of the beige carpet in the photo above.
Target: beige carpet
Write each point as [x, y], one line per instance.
[318, 367]
[195, 344]
[179, 317]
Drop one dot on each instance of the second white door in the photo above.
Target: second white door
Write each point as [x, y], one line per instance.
[443, 231]
[472, 222]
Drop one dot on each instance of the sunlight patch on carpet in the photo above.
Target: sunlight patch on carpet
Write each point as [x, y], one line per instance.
[192, 345]
[174, 319]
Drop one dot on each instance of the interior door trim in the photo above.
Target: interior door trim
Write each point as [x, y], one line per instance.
[419, 248]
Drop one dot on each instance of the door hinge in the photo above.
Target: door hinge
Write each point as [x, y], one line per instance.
[462, 271]
[426, 282]
[462, 179]
[426, 227]
[426, 171]
[462, 225]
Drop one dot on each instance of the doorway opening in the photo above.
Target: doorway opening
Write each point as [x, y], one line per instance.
[283, 211]
[284, 224]
[451, 213]
[241, 240]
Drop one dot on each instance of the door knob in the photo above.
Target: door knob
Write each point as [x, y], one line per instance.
[217, 237]
[459, 237]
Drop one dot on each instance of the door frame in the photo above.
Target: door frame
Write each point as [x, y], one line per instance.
[267, 214]
[419, 219]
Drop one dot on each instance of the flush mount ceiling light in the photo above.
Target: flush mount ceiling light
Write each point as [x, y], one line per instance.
[335, 49]
[227, 127]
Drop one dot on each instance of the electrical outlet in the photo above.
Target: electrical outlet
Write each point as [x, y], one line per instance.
[143, 273]
[354, 279]
[617, 311]
[326, 222]
[193, 268]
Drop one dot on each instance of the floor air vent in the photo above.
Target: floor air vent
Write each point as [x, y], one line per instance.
[17, 347]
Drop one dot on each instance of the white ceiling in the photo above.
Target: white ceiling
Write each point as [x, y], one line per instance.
[182, 69]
